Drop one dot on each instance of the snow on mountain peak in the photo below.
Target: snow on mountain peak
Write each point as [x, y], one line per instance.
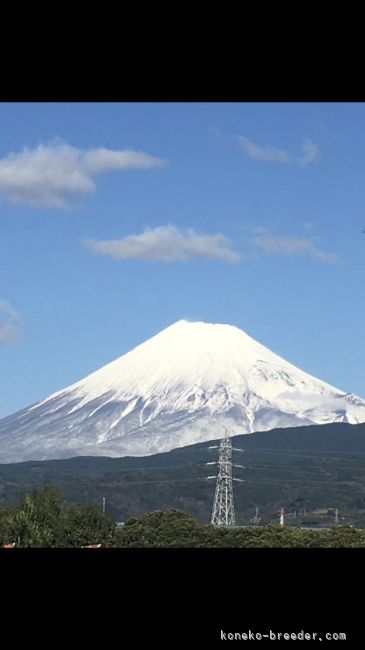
[191, 382]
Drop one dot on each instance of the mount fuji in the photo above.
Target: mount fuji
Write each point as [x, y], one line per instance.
[192, 382]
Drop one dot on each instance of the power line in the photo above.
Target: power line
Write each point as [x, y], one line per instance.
[281, 468]
[308, 454]
[314, 484]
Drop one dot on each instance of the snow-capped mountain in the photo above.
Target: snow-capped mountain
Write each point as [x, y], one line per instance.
[190, 383]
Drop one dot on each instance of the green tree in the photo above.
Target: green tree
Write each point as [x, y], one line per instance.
[170, 528]
[40, 519]
[88, 525]
[8, 525]
[44, 520]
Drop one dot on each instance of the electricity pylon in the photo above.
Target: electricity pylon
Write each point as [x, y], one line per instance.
[223, 504]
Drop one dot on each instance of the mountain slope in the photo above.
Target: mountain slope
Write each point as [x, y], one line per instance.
[305, 469]
[190, 383]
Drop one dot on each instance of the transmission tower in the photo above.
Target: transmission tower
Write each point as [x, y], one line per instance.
[223, 505]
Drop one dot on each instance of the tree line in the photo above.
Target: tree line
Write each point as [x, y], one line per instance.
[44, 520]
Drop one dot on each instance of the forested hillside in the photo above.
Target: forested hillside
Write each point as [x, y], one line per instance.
[311, 471]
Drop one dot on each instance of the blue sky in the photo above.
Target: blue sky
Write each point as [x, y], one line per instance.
[119, 219]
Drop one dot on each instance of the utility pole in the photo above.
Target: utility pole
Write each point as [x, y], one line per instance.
[282, 517]
[223, 506]
[103, 505]
[256, 518]
[336, 516]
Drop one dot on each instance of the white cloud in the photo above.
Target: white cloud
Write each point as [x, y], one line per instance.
[101, 160]
[293, 246]
[166, 244]
[309, 153]
[52, 175]
[9, 323]
[263, 153]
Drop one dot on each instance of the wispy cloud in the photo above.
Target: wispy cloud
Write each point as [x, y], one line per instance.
[265, 154]
[50, 176]
[309, 152]
[9, 323]
[293, 246]
[166, 244]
